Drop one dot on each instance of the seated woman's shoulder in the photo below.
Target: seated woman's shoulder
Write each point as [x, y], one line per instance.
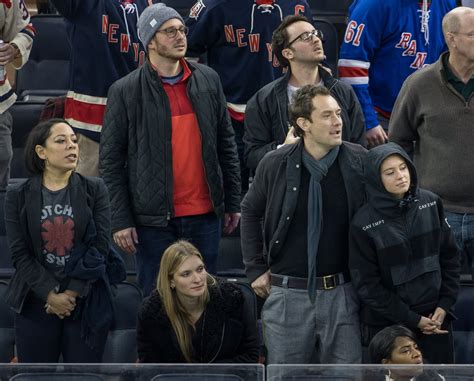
[227, 294]
[152, 308]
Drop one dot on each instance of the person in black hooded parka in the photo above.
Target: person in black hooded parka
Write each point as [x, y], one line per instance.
[403, 258]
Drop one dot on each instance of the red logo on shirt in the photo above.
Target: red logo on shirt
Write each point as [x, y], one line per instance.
[8, 3]
[58, 235]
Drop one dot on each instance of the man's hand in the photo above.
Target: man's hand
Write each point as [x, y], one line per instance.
[290, 136]
[231, 221]
[72, 293]
[375, 136]
[437, 319]
[429, 326]
[261, 285]
[126, 239]
[439, 315]
[7, 53]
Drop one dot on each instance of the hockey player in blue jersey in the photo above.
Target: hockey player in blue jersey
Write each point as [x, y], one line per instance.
[385, 42]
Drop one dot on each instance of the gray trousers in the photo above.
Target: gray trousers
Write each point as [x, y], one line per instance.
[6, 151]
[298, 332]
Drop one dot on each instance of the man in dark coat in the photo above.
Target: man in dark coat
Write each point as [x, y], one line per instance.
[299, 47]
[306, 194]
[168, 154]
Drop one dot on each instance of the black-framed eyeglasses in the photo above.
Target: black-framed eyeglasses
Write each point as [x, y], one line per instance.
[307, 36]
[172, 31]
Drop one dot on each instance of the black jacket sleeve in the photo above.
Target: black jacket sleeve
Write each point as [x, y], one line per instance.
[23, 257]
[356, 118]
[248, 349]
[450, 262]
[366, 278]
[112, 158]
[227, 153]
[258, 135]
[253, 210]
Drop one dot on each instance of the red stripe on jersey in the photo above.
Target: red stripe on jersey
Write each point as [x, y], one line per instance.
[345, 71]
[238, 116]
[84, 112]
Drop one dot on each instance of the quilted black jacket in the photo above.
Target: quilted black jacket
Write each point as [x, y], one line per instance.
[135, 147]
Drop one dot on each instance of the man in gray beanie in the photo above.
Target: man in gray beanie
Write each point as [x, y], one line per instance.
[167, 151]
[152, 19]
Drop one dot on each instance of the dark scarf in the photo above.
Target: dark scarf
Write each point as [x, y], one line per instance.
[96, 311]
[317, 169]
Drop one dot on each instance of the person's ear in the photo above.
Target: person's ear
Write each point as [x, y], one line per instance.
[385, 361]
[303, 123]
[39, 149]
[287, 53]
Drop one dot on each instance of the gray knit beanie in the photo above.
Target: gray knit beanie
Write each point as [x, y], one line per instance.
[152, 18]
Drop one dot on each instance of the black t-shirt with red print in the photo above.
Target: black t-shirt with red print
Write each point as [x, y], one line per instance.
[57, 230]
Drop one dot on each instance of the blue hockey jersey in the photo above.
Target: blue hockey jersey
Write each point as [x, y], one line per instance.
[385, 42]
[237, 35]
[105, 47]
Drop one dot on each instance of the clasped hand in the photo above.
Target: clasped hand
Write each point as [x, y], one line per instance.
[431, 325]
[61, 304]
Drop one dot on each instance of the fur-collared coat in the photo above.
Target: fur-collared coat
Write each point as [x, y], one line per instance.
[225, 332]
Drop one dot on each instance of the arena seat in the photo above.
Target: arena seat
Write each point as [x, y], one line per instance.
[25, 117]
[7, 328]
[6, 267]
[229, 261]
[46, 74]
[121, 345]
[463, 327]
[329, 7]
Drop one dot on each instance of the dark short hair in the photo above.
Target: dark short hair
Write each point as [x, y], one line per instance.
[383, 343]
[301, 105]
[280, 37]
[38, 136]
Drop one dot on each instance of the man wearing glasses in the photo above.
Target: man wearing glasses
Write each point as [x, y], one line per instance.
[435, 109]
[167, 151]
[299, 47]
[236, 35]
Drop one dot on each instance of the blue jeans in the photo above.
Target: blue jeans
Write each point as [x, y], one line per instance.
[203, 231]
[463, 229]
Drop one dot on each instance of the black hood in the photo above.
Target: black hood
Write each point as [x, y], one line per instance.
[378, 197]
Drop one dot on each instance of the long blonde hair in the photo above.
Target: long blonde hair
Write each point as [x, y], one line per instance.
[180, 319]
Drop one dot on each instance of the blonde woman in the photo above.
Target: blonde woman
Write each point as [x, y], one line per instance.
[192, 318]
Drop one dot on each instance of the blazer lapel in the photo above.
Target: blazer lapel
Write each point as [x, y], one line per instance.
[33, 212]
[79, 205]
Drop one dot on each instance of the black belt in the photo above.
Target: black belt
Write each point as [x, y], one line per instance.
[327, 282]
